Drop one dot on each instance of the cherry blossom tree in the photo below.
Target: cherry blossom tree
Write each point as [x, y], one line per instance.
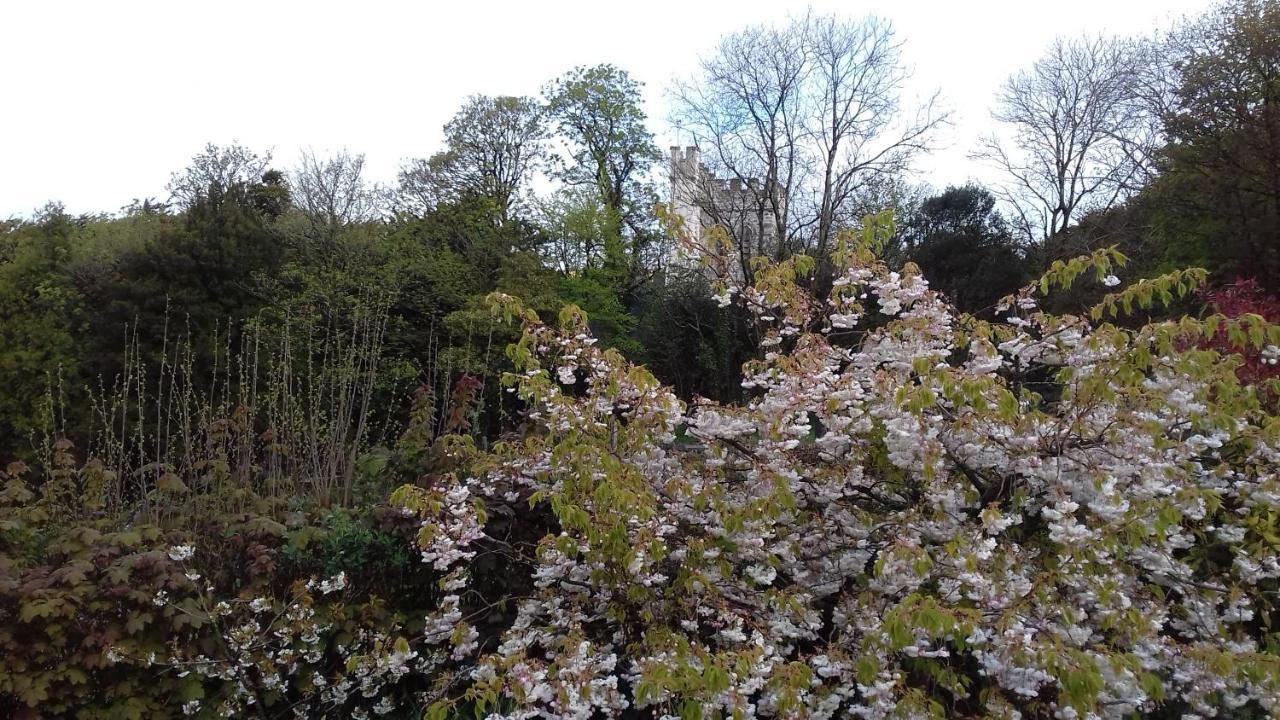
[917, 513]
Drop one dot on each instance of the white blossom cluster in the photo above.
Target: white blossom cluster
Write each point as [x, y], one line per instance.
[286, 654]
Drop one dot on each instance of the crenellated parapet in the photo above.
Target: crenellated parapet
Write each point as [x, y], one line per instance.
[703, 201]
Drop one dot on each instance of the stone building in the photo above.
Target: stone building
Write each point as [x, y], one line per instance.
[704, 201]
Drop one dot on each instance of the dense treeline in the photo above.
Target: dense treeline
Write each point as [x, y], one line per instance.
[240, 244]
[254, 363]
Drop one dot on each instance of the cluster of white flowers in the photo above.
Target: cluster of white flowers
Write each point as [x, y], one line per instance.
[309, 664]
[181, 553]
[334, 584]
[1271, 355]
[454, 531]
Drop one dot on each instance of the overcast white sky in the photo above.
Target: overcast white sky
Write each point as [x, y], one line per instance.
[103, 100]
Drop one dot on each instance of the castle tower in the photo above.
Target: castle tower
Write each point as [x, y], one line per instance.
[703, 201]
[687, 178]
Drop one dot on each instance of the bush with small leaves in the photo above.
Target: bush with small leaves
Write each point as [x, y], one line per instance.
[104, 617]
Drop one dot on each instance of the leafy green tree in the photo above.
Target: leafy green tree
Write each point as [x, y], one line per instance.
[1221, 189]
[441, 266]
[598, 113]
[688, 341]
[492, 147]
[467, 226]
[437, 264]
[42, 318]
[581, 232]
[203, 276]
[965, 248]
[610, 320]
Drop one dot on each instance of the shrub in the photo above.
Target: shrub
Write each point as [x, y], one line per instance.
[105, 616]
[1239, 300]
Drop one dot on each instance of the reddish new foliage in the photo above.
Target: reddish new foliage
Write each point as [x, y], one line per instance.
[1242, 297]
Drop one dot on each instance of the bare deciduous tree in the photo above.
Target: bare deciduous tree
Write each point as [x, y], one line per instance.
[802, 119]
[219, 167]
[1080, 129]
[857, 128]
[743, 113]
[423, 184]
[332, 192]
